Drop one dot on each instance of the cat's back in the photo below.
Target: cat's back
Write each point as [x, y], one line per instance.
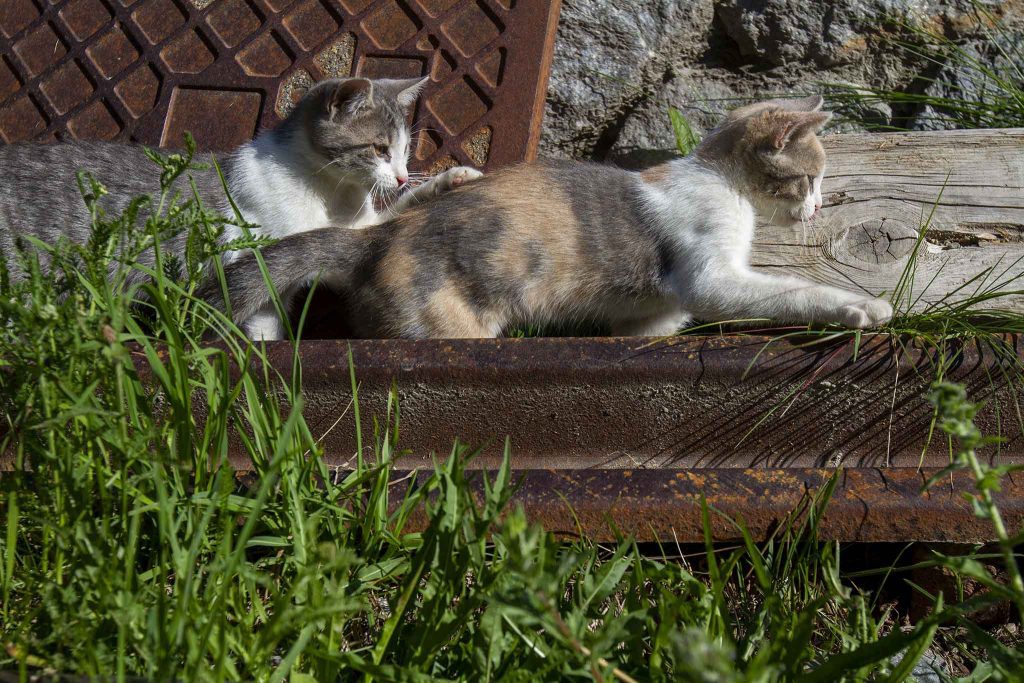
[544, 194]
[41, 195]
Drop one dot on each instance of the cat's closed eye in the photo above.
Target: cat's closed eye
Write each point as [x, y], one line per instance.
[382, 152]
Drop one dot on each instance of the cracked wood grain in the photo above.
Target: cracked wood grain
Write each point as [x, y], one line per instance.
[879, 191]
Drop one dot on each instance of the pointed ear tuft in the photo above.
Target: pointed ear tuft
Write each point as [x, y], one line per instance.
[783, 133]
[349, 95]
[792, 125]
[807, 104]
[409, 90]
[816, 120]
[796, 104]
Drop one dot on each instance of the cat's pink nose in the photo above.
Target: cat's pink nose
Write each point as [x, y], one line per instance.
[401, 181]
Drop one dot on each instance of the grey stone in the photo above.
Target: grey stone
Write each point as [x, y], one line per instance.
[609, 56]
[976, 73]
[620, 64]
[929, 669]
[822, 34]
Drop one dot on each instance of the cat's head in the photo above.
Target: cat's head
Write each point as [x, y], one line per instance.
[358, 128]
[773, 150]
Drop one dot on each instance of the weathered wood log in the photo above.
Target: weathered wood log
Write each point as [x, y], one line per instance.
[879, 192]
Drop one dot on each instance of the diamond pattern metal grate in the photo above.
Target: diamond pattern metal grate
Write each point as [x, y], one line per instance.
[148, 70]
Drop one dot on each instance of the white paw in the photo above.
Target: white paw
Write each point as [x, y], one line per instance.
[460, 175]
[865, 313]
[265, 327]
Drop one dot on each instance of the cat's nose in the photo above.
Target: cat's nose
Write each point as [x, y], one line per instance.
[401, 180]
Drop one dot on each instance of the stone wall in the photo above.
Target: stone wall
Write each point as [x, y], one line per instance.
[620, 64]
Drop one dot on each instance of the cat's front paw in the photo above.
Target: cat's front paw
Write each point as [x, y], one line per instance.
[865, 313]
[458, 176]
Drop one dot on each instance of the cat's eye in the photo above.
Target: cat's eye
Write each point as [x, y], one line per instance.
[382, 151]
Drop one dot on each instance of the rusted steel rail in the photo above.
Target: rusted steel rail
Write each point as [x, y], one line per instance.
[711, 402]
[625, 434]
[867, 504]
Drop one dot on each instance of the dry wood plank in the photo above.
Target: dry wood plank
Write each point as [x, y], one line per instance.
[879, 191]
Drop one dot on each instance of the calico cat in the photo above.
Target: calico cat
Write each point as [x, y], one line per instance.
[345, 144]
[557, 242]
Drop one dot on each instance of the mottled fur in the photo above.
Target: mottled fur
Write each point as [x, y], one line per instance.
[559, 242]
[346, 142]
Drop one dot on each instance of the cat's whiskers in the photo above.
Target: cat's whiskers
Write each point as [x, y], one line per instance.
[340, 181]
[329, 163]
[417, 130]
[416, 179]
[384, 194]
[368, 198]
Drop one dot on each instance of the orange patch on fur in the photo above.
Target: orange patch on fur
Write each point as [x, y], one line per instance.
[449, 315]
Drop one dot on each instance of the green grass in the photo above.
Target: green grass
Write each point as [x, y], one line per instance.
[131, 548]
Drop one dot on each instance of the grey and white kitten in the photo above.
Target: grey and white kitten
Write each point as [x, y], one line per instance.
[345, 144]
[559, 242]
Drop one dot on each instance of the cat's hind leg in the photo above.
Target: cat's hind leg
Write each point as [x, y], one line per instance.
[447, 315]
[265, 325]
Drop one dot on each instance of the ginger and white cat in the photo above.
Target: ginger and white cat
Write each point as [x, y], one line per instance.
[562, 242]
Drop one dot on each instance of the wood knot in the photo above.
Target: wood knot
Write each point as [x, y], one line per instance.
[880, 241]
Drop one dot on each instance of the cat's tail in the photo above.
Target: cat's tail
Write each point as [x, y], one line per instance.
[291, 263]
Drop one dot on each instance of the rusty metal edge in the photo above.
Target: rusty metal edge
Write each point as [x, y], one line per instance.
[540, 93]
[867, 504]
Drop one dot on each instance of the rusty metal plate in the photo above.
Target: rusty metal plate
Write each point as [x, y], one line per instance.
[148, 70]
[713, 402]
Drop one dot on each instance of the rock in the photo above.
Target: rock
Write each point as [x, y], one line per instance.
[619, 65]
[609, 57]
[929, 669]
[823, 34]
[646, 136]
[975, 73]
[779, 32]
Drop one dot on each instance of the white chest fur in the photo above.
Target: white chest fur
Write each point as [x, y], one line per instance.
[277, 189]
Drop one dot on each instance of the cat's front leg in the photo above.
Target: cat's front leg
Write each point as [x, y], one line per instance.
[438, 184]
[740, 294]
[449, 180]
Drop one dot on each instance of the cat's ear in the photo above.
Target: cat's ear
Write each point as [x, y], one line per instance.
[792, 125]
[350, 95]
[808, 104]
[805, 104]
[408, 90]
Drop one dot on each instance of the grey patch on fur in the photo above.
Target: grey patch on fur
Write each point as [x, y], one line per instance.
[42, 197]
